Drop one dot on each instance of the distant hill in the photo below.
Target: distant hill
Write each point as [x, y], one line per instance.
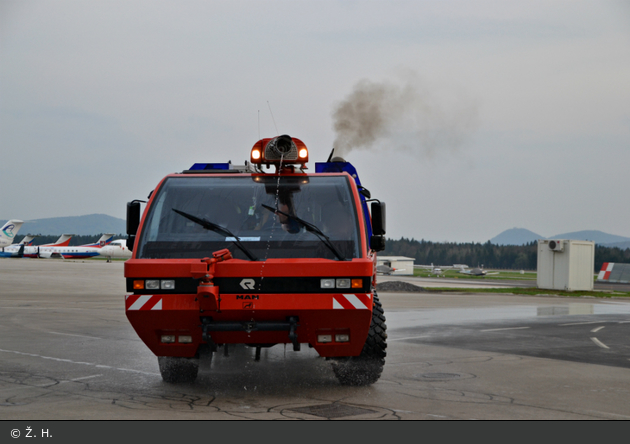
[622, 245]
[596, 236]
[77, 225]
[516, 236]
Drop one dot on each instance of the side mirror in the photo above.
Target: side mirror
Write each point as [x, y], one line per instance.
[377, 243]
[378, 218]
[133, 217]
[365, 193]
[133, 222]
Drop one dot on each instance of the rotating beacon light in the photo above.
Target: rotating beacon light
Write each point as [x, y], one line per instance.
[279, 150]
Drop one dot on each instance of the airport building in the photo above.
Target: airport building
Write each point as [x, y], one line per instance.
[402, 266]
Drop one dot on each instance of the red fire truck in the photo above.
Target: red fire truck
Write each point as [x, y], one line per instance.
[259, 254]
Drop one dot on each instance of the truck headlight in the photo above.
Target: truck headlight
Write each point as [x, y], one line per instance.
[152, 284]
[324, 338]
[343, 283]
[327, 283]
[167, 284]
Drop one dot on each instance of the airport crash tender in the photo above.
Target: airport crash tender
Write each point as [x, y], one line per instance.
[228, 254]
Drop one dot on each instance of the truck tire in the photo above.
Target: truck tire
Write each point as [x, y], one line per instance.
[178, 370]
[366, 368]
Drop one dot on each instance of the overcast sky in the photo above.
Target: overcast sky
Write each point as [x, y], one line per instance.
[501, 114]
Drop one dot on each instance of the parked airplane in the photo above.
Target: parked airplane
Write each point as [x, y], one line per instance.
[463, 269]
[33, 250]
[385, 269]
[440, 269]
[477, 272]
[15, 254]
[78, 252]
[9, 231]
[116, 249]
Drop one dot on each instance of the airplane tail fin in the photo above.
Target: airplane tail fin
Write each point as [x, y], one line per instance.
[10, 230]
[105, 239]
[28, 240]
[63, 241]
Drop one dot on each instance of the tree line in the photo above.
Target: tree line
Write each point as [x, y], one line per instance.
[507, 257]
[488, 255]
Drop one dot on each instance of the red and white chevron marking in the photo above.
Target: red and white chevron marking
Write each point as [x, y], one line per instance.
[604, 273]
[352, 301]
[143, 302]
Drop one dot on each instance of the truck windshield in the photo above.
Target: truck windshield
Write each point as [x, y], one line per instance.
[236, 204]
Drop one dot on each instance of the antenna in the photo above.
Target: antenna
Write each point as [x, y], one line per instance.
[331, 155]
[274, 120]
[258, 124]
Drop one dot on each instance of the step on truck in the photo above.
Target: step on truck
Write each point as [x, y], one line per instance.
[260, 254]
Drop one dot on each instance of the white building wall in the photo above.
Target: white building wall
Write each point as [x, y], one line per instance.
[570, 269]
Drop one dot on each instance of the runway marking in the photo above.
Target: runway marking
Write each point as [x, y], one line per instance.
[70, 334]
[78, 362]
[595, 330]
[85, 377]
[580, 323]
[410, 337]
[79, 379]
[511, 328]
[599, 343]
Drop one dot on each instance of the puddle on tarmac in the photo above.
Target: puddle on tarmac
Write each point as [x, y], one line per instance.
[406, 319]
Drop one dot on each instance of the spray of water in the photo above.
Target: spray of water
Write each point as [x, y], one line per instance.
[401, 115]
[273, 227]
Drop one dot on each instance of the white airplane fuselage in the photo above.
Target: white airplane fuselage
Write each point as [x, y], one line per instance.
[68, 252]
[116, 249]
[62, 252]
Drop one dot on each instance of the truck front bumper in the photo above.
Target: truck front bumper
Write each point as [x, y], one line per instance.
[336, 325]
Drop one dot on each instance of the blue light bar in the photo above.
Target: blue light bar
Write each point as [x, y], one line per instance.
[210, 166]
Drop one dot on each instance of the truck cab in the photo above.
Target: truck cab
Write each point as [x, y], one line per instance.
[228, 254]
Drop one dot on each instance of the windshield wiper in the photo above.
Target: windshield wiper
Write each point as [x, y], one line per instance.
[218, 229]
[311, 228]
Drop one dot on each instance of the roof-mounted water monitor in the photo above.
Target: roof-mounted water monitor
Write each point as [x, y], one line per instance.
[279, 150]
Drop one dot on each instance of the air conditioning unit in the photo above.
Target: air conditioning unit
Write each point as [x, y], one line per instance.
[556, 245]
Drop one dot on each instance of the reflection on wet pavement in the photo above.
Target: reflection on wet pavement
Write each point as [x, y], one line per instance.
[406, 319]
[566, 310]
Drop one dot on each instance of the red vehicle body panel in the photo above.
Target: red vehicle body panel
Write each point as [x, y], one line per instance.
[318, 313]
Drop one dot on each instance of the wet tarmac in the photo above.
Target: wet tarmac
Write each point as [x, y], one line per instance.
[68, 352]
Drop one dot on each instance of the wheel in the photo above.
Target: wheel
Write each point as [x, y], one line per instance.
[177, 370]
[366, 368]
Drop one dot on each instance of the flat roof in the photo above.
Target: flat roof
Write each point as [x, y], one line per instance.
[396, 258]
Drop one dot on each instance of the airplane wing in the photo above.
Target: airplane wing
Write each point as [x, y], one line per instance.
[441, 267]
[384, 269]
